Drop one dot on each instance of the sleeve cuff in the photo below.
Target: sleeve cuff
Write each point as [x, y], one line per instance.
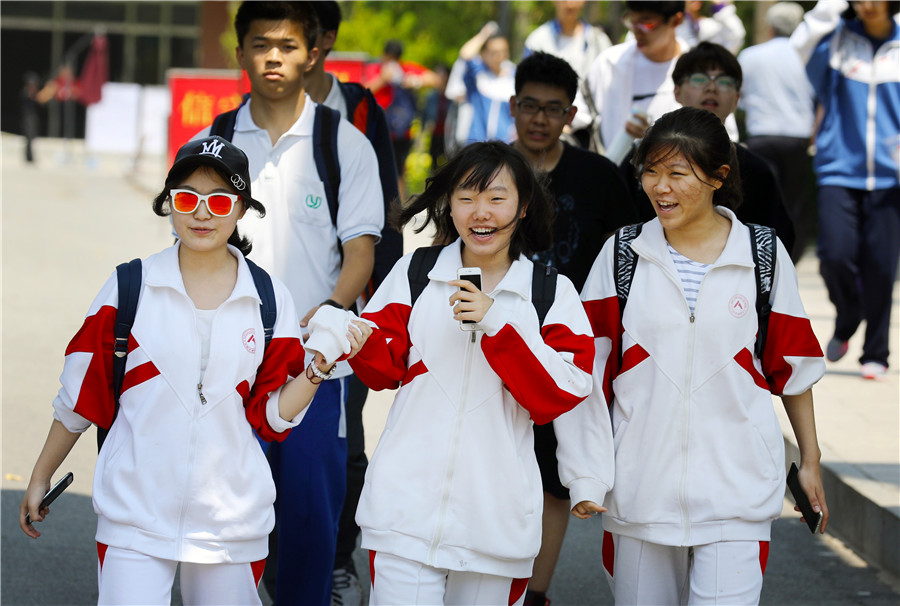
[70, 419]
[587, 489]
[278, 424]
[494, 320]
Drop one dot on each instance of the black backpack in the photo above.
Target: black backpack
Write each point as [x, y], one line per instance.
[543, 280]
[762, 243]
[130, 278]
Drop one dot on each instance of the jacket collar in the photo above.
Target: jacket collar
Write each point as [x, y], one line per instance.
[517, 279]
[164, 272]
[302, 127]
[652, 243]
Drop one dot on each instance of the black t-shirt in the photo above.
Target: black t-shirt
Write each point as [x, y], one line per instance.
[590, 202]
[763, 203]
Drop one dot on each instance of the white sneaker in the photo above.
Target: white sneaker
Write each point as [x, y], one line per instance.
[345, 587]
[873, 370]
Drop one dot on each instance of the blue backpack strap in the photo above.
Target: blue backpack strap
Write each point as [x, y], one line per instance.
[129, 277]
[325, 150]
[543, 289]
[762, 243]
[267, 307]
[422, 261]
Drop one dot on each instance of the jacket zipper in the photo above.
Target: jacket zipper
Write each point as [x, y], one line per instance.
[445, 498]
[685, 438]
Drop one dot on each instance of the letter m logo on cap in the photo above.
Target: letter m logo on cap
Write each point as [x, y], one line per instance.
[212, 148]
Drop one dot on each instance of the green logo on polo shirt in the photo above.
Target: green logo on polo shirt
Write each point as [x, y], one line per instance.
[313, 201]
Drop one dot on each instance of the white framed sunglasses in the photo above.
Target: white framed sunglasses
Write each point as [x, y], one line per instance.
[186, 202]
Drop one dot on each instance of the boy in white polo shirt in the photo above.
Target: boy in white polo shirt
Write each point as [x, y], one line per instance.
[322, 261]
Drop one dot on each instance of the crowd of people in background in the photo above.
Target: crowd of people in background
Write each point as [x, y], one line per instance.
[588, 176]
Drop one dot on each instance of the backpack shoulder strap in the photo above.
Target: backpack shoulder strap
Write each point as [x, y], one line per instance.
[626, 262]
[423, 260]
[325, 151]
[762, 243]
[129, 277]
[543, 289]
[361, 107]
[267, 307]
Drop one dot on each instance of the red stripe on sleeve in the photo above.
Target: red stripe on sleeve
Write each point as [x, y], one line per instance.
[527, 379]
[96, 337]
[138, 374]
[561, 338]
[381, 363]
[606, 322]
[787, 336]
[745, 360]
[284, 358]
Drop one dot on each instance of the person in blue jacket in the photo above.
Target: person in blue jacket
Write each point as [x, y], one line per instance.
[852, 54]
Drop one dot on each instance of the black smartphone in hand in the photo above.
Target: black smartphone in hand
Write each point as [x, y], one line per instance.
[54, 492]
[813, 519]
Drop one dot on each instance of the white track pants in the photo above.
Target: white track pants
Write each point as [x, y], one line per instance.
[129, 577]
[397, 581]
[728, 572]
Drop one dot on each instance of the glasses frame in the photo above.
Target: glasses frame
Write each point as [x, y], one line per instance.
[729, 88]
[542, 108]
[202, 198]
[644, 26]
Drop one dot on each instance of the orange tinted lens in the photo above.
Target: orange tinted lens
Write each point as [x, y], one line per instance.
[185, 202]
[219, 205]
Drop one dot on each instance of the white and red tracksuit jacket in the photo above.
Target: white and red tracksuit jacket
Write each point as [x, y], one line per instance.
[454, 482]
[176, 478]
[699, 454]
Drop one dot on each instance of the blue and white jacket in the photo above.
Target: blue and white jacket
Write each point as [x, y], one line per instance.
[859, 88]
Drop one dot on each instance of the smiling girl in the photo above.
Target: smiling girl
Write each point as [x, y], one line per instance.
[699, 454]
[181, 479]
[451, 507]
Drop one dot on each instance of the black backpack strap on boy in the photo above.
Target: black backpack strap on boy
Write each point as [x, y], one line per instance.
[130, 278]
[543, 280]
[762, 243]
[325, 149]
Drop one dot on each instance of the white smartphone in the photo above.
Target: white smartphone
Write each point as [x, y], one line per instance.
[473, 275]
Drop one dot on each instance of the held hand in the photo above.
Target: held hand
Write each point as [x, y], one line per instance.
[470, 303]
[585, 509]
[34, 494]
[358, 334]
[811, 482]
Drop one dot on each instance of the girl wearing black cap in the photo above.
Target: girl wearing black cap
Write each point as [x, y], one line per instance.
[180, 478]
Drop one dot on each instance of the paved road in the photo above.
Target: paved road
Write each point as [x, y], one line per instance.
[65, 226]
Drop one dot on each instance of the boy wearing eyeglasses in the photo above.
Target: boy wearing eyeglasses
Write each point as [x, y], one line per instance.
[630, 83]
[590, 201]
[709, 77]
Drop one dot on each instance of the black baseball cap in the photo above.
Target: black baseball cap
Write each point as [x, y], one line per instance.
[217, 153]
